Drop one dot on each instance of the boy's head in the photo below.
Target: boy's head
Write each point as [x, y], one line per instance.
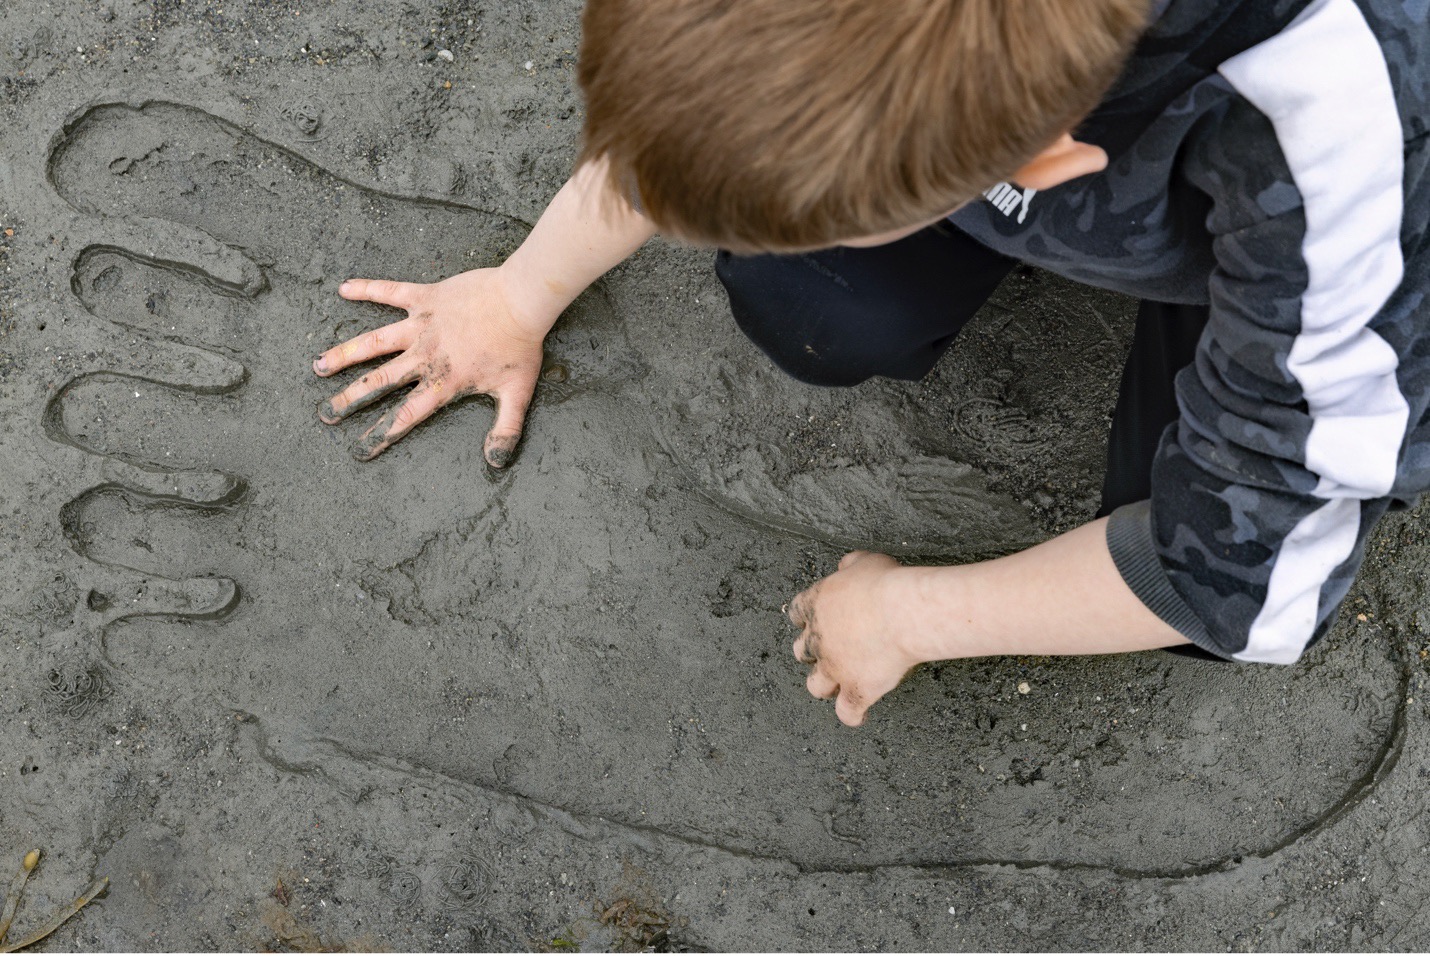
[777, 125]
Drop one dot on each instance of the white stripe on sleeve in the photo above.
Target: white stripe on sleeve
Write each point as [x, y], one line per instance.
[1324, 85]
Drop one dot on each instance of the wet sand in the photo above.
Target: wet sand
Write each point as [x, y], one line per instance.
[555, 708]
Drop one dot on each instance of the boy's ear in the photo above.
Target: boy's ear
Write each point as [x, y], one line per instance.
[1065, 160]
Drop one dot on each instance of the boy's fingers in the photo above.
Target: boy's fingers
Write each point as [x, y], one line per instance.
[820, 685]
[806, 648]
[369, 388]
[424, 400]
[397, 337]
[856, 557]
[800, 608]
[850, 707]
[500, 446]
[402, 295]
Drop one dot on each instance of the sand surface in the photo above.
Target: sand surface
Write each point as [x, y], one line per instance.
[286, 700]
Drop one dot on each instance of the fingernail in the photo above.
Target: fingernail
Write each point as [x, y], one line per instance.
[499, 457]
[346, 286]
[320, 365]
[326, 412]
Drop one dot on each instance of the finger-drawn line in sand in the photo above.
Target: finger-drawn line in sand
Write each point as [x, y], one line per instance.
[115, 588]
[90, 522]
[350, 770]
[117, 479]
[202, 492]
[104, 274]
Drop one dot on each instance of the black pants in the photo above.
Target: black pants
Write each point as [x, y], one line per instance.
[840, 316]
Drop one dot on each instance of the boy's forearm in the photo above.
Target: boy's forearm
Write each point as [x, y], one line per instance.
[1064, 596]
[584, 232]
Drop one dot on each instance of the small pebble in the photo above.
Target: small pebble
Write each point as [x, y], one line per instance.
[528, 65]
[1024, 687]
[446, 55]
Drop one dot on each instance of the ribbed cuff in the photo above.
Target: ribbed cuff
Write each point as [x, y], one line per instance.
[1129, 538]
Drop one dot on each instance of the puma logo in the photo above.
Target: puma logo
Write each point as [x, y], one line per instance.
[1006, 197]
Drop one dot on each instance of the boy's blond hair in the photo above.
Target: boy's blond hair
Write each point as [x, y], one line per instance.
[765, 125]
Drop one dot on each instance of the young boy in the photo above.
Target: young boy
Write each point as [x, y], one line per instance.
[1255, 171]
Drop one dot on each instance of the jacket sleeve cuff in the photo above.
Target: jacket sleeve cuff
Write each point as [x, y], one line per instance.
[1129, 539]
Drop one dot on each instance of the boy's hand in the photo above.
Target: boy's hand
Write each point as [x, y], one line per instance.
[852, 636]
[480, 333]
[872, 621]
[461, 337]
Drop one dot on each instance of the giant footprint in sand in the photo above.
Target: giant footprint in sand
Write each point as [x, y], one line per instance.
[587, 632]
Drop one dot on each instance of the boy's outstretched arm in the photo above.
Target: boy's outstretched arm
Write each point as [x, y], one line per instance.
[872, 621]
[481, 332]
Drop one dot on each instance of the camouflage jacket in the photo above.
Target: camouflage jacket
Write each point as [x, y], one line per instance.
[1268, 159]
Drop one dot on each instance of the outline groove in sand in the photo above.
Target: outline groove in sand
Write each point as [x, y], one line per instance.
[211, 492]
[351, 763]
